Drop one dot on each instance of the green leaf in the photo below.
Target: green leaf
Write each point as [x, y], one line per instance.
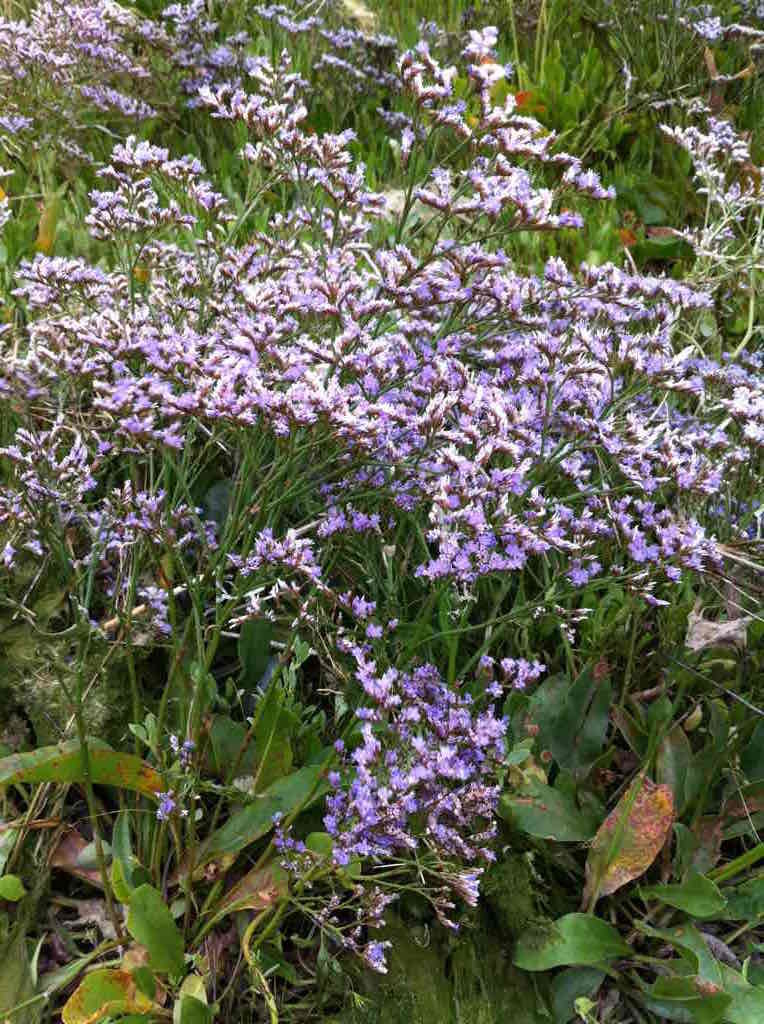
[746, 901]
[145, 981]
[579, 939]
[16, 980]
[697, 896]
[7, 842]
[686, 999]
[573, 719]
[672, 764]
[226, 740]
[254, 650]
[747, 1006]
[568, 986]
[256, 819]
[752, 757]
[691, 945]
[547, 813]
[119, 884]
[193, 1011]
[150, 923]
[276, 724]
[12, 888]
[65, 763]
[320, 843]
[191, 1005]
[216, 503]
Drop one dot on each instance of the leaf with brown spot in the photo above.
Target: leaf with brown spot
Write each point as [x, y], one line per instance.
[65, 763]
[104, 993]
[258, 889]
[629, 839]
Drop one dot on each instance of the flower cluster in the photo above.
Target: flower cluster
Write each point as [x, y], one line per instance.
[422, 773]
[66, 57]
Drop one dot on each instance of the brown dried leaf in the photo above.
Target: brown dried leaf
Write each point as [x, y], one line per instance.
[701, 633]
[66, 857]
[629, 839]
[94, 912]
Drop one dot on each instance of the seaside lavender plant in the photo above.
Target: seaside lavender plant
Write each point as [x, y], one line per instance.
[288, 429]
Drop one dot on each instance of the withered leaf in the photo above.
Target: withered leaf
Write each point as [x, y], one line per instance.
[629, 839]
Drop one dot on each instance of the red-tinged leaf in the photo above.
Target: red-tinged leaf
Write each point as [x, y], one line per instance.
[745, 802]
[104, 993]
[65, 763]
[627, 237]
[258, 889]
[708, 832]
[629, 839]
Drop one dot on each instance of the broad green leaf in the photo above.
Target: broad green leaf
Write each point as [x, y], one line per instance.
[150, 923]
[227, 739]
[691, 946]
[216, 503]
[320, 843]
[65, 763]
[104, 993]
[752, 757]
[547, 813]
[146, 980]
[272, 746]
[573, 719]
[87, 858]
[697, 896]
[568, 986]
[578, 939]
[630, 729]
[7, 841]
[256, 819]
[747, 1006]
[746, 901]
[687, 999]
[191, 1005]
[120, 840]
[11, 888]
[192, 1011]
[629, 839]
[672, 764]
[124, 877]
[254, 650]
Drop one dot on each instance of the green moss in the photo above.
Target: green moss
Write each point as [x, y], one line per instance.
[468, 979]
[511, 908]
[487, 989]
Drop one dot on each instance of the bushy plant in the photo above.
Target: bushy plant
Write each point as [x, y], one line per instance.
[351, 529]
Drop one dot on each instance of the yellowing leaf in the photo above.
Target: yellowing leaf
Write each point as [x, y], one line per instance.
[629, 839]
[46, 229]
[104, 993]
